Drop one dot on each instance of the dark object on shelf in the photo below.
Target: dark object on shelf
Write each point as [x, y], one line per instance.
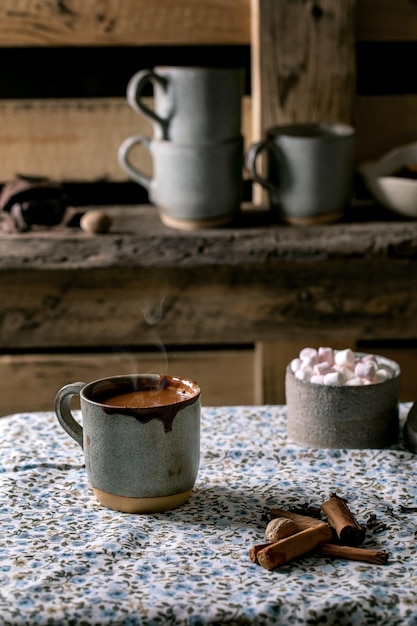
[27, 203]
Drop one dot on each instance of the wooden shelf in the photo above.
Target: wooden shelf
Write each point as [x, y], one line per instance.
[139, 239]
[254, 280]
[244, 298]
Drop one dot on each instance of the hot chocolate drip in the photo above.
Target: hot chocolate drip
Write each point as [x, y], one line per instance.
[158, 398]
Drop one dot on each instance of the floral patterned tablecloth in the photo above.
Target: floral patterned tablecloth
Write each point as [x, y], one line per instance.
[64, 560]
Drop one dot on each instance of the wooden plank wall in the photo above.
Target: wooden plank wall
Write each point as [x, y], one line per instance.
[65, 67]
[41, 375]
[292, 43]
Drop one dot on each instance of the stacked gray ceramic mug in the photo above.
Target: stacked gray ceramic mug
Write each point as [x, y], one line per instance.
[197, 144]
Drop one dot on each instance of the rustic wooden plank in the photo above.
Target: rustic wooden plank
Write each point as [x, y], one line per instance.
[292, 42]
[369, 298]
[384, 123]
[138, 239]
[386, 20]
[143, 22]
[74, 139]
[225, 376]
[67, 139]
[131, 22]
[239, 284]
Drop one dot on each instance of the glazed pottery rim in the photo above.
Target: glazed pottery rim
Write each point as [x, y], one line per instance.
[192, 385]
[209, 68]
[313, 130]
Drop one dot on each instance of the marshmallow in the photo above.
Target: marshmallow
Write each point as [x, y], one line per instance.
[308, 361]
[366, 369]
[322, 368]
[326, 366]
[295, 365]
[317, 379]
[307, 353]
[344, 357]
[346, 373]
[382, 374]
[325, 355]
[390, 372]
[354, 382]
[333, 378]
[303, 374]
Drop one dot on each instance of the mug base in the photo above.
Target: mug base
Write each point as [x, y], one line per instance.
[126, 504]
[322, 218]
[184, 224]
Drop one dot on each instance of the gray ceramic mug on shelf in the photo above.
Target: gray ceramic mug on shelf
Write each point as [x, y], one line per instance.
[193, 185]
[141, 439]
[191, 104]
[309, 170]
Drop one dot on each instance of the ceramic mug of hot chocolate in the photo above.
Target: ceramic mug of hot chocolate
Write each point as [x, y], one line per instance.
[191, 104]
[309, 170]
[140, 435]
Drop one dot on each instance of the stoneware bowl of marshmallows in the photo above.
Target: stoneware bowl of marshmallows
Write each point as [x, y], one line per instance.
[342, 399]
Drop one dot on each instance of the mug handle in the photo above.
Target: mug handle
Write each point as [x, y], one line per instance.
[134, 91]
[125, 163]
[63, 411]
[251, 163]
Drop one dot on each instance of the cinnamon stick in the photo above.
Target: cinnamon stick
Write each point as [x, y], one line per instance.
[353, 553]
[294, 546]
[348, 530]
[254, 550]
[302, 521]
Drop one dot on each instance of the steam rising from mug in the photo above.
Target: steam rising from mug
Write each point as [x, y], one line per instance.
[129, 359]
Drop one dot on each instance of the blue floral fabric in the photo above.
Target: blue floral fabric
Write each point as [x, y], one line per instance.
[65, 560]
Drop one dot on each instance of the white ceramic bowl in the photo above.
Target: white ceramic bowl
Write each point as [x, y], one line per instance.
[396, 193]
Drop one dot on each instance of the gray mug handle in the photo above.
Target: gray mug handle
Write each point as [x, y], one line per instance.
[251, 163]
[63, 411]
[134, 91]
[125, 163]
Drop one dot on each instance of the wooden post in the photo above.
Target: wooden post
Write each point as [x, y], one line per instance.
[303, 63]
